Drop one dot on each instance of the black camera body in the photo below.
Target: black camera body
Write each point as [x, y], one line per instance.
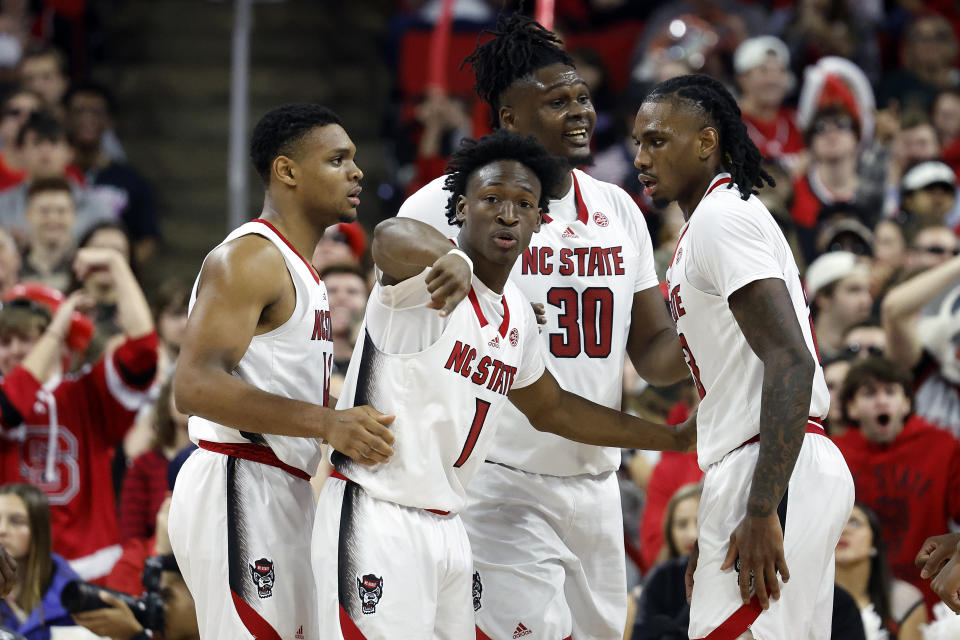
[148, 609]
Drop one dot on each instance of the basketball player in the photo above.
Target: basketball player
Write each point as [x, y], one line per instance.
[254, 374]
[592, 267]
[404, 568]
[777, 492]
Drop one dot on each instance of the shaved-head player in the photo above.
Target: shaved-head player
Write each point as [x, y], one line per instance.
[553, 564]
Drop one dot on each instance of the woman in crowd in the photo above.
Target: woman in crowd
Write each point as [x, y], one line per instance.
[33, 607]
[891, 609]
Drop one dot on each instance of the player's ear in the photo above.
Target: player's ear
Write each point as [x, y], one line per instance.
[709, 142]
[536, 227]
[285, 170]
[461, 208]
[508, 118]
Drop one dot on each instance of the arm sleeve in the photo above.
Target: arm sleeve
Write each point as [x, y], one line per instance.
[732, 248]
[429, 205]
[19, 391]
[531, 362]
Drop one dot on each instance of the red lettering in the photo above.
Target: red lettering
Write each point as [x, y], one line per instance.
[457, 356]
[465, 371]
[676, 304]
[566, 264]
[482, 370]
[546, 268]
[617, 260]
[581, 259]
[527, 264]
[596, 263]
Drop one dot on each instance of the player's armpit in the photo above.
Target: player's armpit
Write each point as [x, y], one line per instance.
[552, 409]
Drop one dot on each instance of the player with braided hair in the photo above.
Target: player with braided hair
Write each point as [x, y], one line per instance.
[741, 315]
[552, 565]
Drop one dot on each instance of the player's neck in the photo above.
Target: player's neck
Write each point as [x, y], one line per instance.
[493, 276]
[296, 227]
[698, 188]
[855, 578]
[565, 185]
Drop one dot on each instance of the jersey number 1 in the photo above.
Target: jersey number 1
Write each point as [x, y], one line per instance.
[478, 417]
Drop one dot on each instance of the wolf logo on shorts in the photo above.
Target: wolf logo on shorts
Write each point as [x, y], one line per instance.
[370, 588]
[263, 576]
[477, 590]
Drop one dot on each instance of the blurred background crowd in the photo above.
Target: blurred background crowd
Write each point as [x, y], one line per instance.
[112, 188]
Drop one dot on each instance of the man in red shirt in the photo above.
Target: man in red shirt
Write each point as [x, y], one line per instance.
[59, 431]
[903, 468]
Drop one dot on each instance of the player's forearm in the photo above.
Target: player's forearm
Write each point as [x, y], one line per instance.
[784, 410]
[214, 394]
[403, 247]
[132, 309]
[660, 362]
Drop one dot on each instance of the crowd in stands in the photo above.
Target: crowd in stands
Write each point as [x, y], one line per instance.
[856, 108]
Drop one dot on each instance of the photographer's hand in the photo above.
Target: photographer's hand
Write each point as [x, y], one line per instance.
[115, 621]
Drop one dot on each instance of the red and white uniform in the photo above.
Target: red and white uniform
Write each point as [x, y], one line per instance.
[727, 244]
[64, 444]
[396, 525]
[592, 254]
[243, 507]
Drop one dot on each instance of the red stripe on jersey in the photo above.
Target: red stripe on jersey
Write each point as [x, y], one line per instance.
[348, 627]
[254, 453]
[504, 325]
[738, 621]
[481, 635]
[721, 181]
[582, 214]
[313, 272]
[546, 218]
[476, 307]
[252, 620]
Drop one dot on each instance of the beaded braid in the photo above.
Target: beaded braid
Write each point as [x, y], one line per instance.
[739, 156]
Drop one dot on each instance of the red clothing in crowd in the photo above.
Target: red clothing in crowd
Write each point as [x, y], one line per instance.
[84, 417]
[913, 485]
[9, 177]
[777, 138]
[144, 490]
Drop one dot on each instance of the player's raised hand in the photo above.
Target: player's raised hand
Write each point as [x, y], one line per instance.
[361, 434]
[691, 569]
[756, 550]
[448, 282]
[935, 552]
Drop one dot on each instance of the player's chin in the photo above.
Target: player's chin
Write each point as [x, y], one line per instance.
[349, 215]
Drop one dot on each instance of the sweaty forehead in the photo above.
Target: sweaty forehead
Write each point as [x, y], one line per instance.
[548, 78]
[508, 173]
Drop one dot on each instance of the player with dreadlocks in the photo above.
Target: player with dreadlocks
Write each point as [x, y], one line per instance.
[553, 563]
[447, 376]
[736, 296]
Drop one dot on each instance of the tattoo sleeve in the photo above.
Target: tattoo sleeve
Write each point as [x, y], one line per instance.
[766, 316]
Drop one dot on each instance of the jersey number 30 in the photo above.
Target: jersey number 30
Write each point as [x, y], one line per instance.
[592, 311]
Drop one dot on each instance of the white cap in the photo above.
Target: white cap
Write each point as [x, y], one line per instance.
[831, 267]
[754, 51]
[926, 174]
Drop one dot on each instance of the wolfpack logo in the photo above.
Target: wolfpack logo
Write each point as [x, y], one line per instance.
[568, 233]
[495, 343]
[370, 588]
[514, 337]
[600, 219]
[263, 576]
[477, 590]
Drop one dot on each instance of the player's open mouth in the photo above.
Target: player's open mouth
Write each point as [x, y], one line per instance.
[505, 239]
[578, 136]
[354, 196]
[649, 184]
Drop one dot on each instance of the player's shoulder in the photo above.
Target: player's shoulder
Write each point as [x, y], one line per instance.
[250, 261]
[431, 193]
[725, 210]
[591, 188]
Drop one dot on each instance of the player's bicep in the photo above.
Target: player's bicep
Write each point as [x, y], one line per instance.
[766, 316]
[536, 400]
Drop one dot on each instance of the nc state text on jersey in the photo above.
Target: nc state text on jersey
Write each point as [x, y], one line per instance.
[495, 375]
[322, 326]
[582, 261]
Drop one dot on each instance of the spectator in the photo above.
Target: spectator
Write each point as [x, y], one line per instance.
[17, 108]
[170, 315]
[928, 193]
[838, 287]
[891, 609]
[663, 612]
[43, 146]
[347, 292]
[834, 371]
[931, 246]
[889, 255]
[71, 426]
[905, 469]
[914, 142]
[33, 607]
[145, 485]
[343, 243]
[44, 71]
[842, 231]
[762, 66]
[90, 111]
[929, 55]
[927, 346]
[820, 28]
[51, 218]
[442, 122]
[10, 262]
[946, 120]
[865, 340]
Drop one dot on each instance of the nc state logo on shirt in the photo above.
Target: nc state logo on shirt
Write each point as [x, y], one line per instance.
[679, 255]
[514, 337]
[600, 219]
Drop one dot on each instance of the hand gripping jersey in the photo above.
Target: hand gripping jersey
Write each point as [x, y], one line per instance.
[592, 253]
[727, 244]
[294, 360]
[446, 380]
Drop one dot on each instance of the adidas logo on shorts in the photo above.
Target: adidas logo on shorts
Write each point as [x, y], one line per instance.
[521, 631]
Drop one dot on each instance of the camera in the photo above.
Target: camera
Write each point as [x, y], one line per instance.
[148, 609]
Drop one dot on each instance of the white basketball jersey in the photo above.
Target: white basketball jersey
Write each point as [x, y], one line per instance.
[726, 244]
[294, 360]
[593, 252]
[445, 379]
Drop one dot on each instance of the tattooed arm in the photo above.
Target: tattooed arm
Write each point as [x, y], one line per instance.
[767, 318]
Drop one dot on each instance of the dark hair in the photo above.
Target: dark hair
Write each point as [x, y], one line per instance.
[873, 369]
[500, 145]
[171, 296]
[520, 46]
[738, 155]
[46, 125]
[830, 111]
[878, 585]
[344, 267]
[93, 88]
[47, 51]
[280, 130]
[165, 427]
[687, 491]
[39, 563]
[52, 183]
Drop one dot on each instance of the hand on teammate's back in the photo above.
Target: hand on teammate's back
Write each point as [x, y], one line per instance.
[939, 558]
[448, 282]
[361, 434]
[758, 543]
